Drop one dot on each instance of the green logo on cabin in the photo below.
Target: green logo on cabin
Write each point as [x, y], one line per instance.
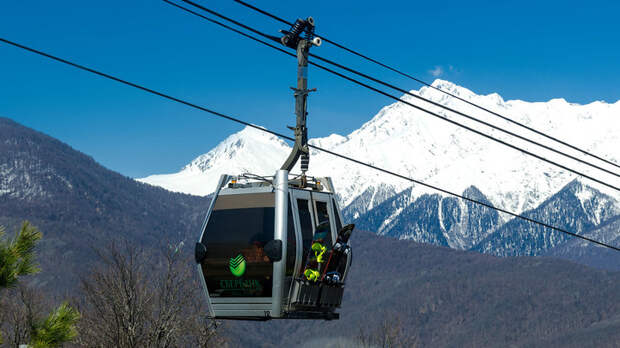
[237, 265]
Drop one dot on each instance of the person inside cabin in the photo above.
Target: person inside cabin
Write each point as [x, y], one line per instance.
[318, 253]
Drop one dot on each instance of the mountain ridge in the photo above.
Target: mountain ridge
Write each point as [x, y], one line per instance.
[77, 203]
[568, 209]
[403, 140]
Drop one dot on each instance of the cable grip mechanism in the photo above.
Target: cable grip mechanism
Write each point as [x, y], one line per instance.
[293, 35]
[300, 37]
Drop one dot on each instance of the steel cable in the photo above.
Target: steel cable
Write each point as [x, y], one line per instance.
[375, 89]
[237, 120]
[531, 129]
[389, 85]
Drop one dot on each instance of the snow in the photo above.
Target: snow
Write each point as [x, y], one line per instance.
[407, 141]
[584, 194]
[249, 150]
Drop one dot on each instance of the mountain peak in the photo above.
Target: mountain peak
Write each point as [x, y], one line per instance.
[445, 85]
[459, 91]
[410, 142]
[451, 88]
[248, 151]
[247, 139]
[251, 132]
[436, 92]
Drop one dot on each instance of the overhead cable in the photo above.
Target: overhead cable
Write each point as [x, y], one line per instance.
[237, 120]
[505, 143]
[508, 119]
[274, 38]
[463, 114]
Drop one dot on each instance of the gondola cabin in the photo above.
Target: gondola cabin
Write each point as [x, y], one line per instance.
[273, 248]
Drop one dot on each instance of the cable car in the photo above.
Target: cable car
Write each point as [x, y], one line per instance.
[274, 248]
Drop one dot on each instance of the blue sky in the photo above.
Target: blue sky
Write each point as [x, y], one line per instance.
[530, 50]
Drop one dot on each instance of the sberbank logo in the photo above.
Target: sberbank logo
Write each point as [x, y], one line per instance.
[237, 265]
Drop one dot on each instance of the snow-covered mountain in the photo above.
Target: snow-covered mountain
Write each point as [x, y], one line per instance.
[576, 208]
[408, 141]
[249, 150]
[433, 219]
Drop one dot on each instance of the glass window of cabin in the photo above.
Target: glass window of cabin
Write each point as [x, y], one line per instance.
[291, 243]
[305, 220]
[337, 217]
[323, 230]
[236, 233]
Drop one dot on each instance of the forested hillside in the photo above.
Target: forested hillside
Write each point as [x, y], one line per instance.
[450, 298]
[438, 296]
[79, 204]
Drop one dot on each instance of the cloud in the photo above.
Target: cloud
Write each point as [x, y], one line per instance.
[438, 71]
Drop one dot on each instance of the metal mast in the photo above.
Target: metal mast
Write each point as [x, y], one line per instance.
[293, 39]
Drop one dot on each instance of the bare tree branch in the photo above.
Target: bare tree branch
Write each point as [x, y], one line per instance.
[390, 333]
[135, 298]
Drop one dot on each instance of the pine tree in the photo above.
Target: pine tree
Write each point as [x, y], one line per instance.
[57, 328]
[17, 255]
[17, 258]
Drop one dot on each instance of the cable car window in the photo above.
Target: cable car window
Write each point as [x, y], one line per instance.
[305, 220]
[291, 244]
[337, 217]
[323, 230]
[235, 264]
